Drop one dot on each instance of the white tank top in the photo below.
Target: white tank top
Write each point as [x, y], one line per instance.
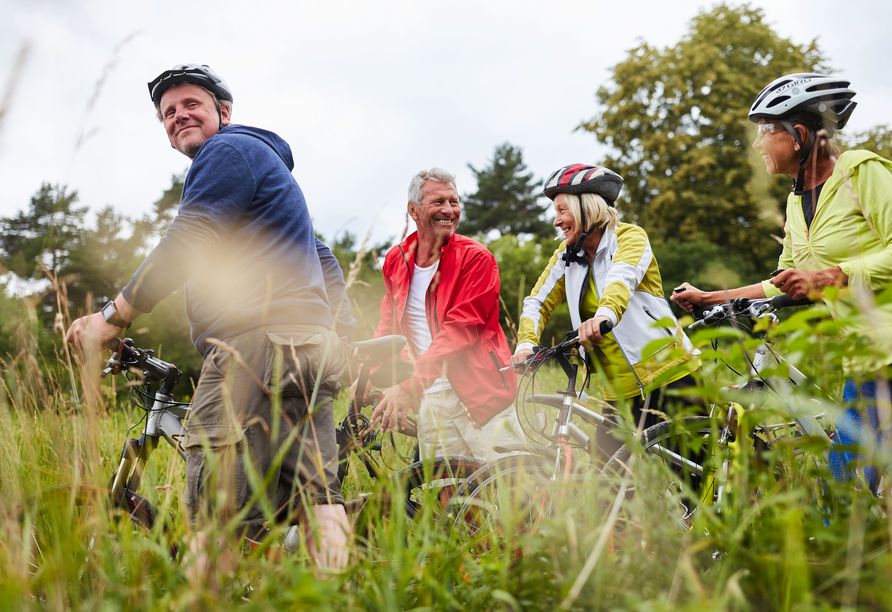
[416, 317]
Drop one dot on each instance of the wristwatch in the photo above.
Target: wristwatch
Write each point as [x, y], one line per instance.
[110, 314]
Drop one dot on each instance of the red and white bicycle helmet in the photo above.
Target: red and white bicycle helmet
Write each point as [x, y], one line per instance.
[805, 92]
[579, 178]
[196, 74]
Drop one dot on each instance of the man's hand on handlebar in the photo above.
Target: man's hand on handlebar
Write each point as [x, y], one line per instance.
[393, 410]
[358, 400]
[90, 333]
[590, 332]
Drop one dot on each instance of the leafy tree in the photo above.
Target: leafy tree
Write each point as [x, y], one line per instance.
[365, 280]
[677, 119]
[164, 209]
[100, 268]
[877, 139]
[506, 199]
[48, 233]
[520, 264]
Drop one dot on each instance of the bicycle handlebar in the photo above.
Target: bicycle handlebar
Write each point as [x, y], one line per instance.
[126, 356]
[745, 307]
[542, 353]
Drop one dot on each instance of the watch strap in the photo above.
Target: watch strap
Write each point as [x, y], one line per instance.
[111, 316]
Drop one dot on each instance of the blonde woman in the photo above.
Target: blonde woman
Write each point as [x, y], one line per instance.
[607, 271]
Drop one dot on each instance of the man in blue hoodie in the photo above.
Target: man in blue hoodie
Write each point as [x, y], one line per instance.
[262, 294]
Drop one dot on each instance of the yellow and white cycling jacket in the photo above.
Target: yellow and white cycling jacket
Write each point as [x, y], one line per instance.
[623, 283]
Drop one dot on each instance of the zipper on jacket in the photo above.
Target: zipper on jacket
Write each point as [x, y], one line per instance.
[401, 313]
[665, 329]
[431, 313]
[499, 369]
[615, 339]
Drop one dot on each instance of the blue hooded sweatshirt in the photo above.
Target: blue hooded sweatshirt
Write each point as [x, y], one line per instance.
[244, 245]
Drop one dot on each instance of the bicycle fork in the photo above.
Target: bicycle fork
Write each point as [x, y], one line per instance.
[161, 423]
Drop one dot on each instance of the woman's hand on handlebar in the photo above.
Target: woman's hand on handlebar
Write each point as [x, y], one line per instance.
[590, 332]
[521, 356]
[688, 297]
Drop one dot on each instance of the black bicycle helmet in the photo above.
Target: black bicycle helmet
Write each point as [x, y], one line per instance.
[196, 74]
[805, 92]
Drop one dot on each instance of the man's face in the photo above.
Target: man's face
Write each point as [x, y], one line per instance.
[190, 117]
[438, 214]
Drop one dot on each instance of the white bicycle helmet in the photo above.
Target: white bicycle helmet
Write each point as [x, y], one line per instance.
[805, 92]
[827, 97]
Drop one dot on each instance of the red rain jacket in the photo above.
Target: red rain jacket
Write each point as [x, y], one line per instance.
[462, 306]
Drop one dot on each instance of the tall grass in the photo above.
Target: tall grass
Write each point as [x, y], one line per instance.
[788, 538]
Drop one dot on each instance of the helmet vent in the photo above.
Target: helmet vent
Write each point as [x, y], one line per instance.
[778, 100]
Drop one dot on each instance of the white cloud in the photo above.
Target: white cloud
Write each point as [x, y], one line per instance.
[366, 93]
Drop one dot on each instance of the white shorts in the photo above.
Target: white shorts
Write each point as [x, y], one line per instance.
[445, 429]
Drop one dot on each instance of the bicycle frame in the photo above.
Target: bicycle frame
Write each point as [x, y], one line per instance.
[164, 422]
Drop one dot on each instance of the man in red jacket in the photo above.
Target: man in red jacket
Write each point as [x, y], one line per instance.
[443, 296]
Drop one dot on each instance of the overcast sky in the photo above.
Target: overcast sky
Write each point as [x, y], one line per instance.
[366, 93]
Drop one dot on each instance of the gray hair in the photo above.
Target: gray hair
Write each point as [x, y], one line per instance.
[434, 174]
[217, 101]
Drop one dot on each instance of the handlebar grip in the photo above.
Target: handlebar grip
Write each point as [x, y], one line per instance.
[604, 328]
[701, 311]
[114, 344]
[785, 301]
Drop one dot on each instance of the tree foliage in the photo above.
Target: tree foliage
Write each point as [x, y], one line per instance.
[677, 121]
[520, 264]
[365, 282]
[506, 199]
[877, 139]
[47, 233]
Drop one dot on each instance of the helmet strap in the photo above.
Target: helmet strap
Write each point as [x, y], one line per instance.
[572, 254]
[804, 151]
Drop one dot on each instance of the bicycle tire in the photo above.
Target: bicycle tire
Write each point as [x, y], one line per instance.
[413, 485]
[515, 501]
[677, 485]
[62, 529]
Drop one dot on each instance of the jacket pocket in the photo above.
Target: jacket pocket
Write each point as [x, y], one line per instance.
[307, 359]
[665, 329]
[499, 370]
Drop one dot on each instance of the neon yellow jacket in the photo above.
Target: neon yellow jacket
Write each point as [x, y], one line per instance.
[852, 229]
[628, 290]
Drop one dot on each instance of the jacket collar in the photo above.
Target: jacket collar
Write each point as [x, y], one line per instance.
[605, 240]
[409, 247]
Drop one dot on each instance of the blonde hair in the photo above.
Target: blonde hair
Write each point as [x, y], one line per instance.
[597, 214]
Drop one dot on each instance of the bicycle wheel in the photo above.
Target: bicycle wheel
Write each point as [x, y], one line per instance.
[516, 504]
[419, 491]
[673, 477]
[72, 539]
